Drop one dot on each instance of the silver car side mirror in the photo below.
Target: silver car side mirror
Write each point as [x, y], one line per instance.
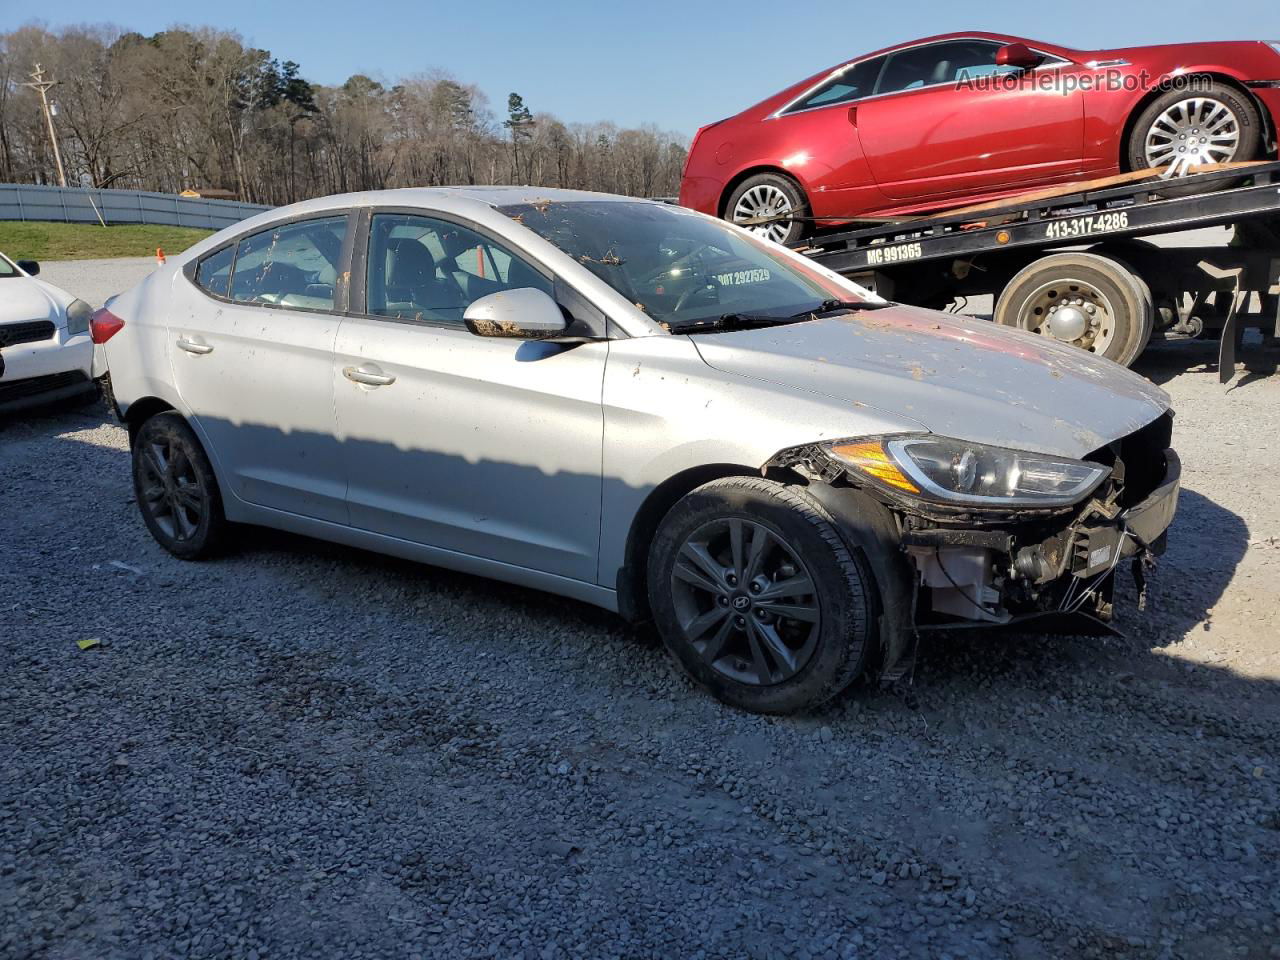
[522, 314]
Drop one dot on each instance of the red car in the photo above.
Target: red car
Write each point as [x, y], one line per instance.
[967, 117]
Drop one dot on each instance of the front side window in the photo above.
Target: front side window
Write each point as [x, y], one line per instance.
[950, 62]
[854, 83]
[677, 265]
[293, 265]
[421, 268]
[7, 269]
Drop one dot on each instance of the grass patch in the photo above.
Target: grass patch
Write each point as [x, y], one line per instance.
[35, 240]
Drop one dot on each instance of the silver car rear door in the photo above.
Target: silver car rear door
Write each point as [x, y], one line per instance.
[253, 330]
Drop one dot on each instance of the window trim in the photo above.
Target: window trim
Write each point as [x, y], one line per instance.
[359, 286]
[341, 286]
[1050, 60]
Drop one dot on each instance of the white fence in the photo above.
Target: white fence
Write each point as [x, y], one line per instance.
[20, 201]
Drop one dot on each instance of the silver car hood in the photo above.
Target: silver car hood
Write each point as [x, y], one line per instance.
[957, 376]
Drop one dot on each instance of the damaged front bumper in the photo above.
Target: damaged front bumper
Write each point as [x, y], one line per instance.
[943, 566]
[1055, 577]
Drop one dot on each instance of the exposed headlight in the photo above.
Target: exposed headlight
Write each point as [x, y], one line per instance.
[78, 315]
[960, 472]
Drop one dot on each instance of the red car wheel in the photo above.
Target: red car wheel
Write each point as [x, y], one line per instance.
[762, 203]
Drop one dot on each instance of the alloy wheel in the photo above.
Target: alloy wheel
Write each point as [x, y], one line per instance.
[763, 202]
[171, 489]
[745, 601]
[1192, 132]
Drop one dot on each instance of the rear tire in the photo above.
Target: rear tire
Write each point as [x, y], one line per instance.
[769, 195]
[1100, 298]
[176, 489]
[757, 596]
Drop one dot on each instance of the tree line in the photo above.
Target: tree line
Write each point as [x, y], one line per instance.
[195, 108]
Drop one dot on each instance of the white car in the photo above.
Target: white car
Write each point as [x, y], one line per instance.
[46, 353]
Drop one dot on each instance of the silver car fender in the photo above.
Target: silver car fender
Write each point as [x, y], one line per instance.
[671, 422]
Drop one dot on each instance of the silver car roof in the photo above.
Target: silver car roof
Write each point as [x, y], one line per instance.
[478, 204]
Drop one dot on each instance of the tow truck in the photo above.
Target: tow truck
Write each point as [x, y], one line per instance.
[1080, 265]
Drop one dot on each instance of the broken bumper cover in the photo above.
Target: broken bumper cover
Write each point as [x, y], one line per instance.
[1055, 579]
[1140, 529]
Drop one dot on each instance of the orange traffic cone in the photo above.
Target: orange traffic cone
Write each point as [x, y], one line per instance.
[160, 261]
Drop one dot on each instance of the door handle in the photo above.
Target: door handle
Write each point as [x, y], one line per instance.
[853, 116]
[198, 347]
[369, 378]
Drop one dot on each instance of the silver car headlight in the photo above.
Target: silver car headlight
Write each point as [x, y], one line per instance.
[78, 314]
[974, 474]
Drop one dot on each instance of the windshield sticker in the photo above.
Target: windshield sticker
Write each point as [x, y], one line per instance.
[740, 278]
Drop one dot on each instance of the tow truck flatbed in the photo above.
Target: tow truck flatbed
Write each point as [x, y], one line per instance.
[1071, 264]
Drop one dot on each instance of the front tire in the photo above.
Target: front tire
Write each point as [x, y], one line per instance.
[758, 597]
[176, 489]
[764, 197]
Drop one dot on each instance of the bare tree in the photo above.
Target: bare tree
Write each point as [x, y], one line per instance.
[196, 107]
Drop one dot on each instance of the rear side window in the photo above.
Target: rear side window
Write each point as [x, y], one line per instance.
[856, 82]
[421, 268]
[214, 272]
[294, 265]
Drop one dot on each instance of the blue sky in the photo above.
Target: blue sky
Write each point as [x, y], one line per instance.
[677, 65]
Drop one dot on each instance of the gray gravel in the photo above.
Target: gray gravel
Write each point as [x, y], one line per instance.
[95, 280]
[302, 750]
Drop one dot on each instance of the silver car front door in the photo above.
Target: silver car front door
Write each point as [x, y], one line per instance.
[485, 447]
[253, 330]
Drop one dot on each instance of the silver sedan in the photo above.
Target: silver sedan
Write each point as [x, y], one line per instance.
[644, 408]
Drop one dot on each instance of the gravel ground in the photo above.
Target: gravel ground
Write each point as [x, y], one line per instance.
[302, 750]
[95, 280]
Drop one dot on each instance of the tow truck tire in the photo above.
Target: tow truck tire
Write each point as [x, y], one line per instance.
[1099, 298]
[767, 194]
[1166, 113]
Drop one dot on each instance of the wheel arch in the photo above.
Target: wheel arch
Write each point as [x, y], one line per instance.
[732, 184]
[632, 585]
[1218, 76]
[142, 410]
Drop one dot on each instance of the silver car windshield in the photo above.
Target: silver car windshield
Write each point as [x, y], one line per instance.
[675, 265]
[7, 269]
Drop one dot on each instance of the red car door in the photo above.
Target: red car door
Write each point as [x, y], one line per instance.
[947, 122]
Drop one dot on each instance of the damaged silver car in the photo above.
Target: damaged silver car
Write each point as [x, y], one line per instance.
[644, 408]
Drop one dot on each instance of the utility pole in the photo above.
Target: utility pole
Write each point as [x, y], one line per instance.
[38, 82]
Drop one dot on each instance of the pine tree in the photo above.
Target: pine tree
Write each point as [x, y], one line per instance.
[520, 122]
